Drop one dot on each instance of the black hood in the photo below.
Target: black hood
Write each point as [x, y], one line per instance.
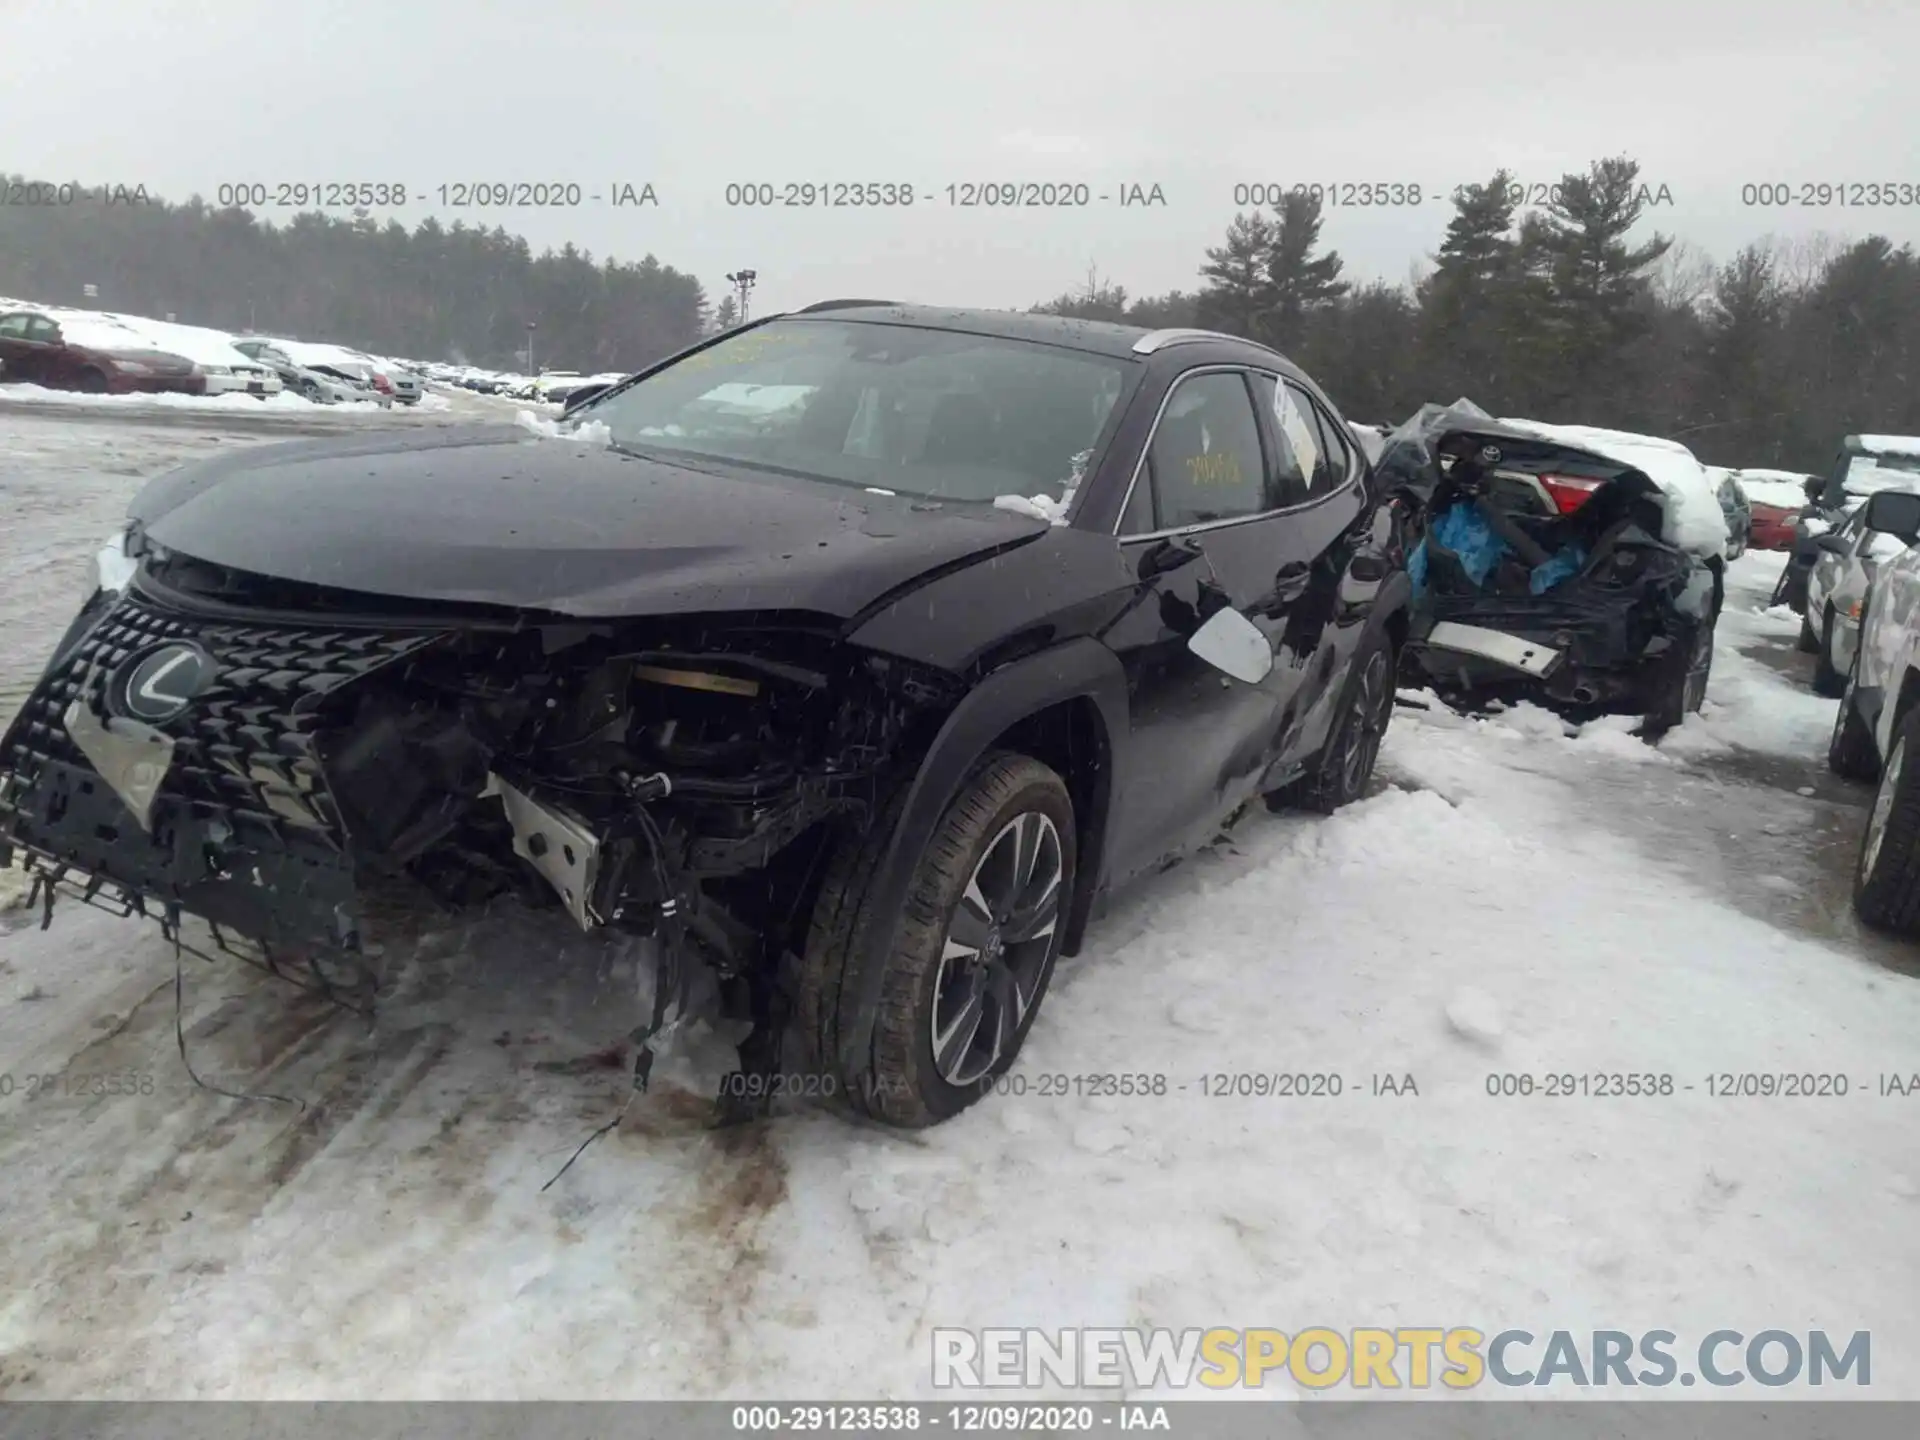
[497, 516]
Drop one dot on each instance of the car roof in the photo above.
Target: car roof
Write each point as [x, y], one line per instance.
[1099, 337]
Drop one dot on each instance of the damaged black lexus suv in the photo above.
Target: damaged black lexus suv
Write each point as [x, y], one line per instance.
[856, 654]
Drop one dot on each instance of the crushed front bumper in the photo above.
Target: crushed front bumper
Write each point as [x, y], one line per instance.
[221, 810]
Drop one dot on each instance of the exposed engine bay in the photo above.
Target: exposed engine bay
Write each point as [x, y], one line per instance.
[649, 776]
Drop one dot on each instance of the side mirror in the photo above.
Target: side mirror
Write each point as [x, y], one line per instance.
[1167, 556]
[1895, 513]
[1232, 643]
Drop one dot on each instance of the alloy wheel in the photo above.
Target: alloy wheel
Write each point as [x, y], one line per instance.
[996, 948]
[1367, 726]
[1882, 808]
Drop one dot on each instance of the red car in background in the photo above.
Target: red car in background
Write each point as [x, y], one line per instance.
[36, 350]
[1772, 527]
[1776, 498]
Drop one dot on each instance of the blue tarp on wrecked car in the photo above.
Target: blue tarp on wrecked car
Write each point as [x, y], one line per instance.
[1464, 531]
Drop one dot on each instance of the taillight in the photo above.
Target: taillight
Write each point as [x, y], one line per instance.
[1569, 492]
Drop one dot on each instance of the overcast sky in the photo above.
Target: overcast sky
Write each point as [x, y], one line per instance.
[1194, 96]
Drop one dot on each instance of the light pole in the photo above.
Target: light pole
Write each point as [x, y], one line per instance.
[742, 282]
[530, 328]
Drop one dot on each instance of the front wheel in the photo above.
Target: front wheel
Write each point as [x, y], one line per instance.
[1886, 882]
[1353, 744]
[1827, 681]
[1851, 753]
[974, 948]
[1681, 687]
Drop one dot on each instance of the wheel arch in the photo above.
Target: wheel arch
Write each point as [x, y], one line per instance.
[1903, 702]
[1071, 701]
[1072, 738]
[1392, 609]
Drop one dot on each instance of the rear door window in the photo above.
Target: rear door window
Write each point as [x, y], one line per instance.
[1206, 460]
[1294, 456]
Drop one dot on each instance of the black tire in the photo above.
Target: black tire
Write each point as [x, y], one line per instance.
[1886, 878]
[1791, 589]
[1345, 765]
[1827, 681]
[1680, 688]
[92, 382]
[1808, 643]
[901, 1081]
[1851, 753]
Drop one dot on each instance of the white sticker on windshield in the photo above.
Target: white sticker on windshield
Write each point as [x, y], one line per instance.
[1298, 430]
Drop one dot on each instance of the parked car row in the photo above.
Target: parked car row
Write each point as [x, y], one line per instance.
[558, 387]
[1869, 654]
[1864, 466]
[100, 353]
[331, 374]
[96, 355]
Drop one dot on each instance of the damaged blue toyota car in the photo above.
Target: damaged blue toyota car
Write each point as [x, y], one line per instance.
[1577, 568]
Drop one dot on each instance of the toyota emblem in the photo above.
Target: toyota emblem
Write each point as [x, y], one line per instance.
[163, 682]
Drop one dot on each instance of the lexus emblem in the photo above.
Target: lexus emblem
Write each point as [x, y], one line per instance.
[162, 683]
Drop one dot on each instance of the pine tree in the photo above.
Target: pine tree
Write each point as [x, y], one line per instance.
[1238, 292]
[1298, 281]
[1469, 312]
[1598, 281]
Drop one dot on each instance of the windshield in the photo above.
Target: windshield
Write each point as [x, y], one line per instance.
[914, 411]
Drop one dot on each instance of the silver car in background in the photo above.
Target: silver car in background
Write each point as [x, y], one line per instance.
[1843, 569]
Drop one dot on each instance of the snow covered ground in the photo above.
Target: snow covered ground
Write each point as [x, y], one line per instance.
[1515, 898]
[233, 402]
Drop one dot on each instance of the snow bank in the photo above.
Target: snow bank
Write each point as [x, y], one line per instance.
[1750, 705]
[231, 401]
[1695, 520]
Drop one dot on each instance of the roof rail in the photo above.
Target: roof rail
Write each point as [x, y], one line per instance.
[1160, 339]
[839, 305]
